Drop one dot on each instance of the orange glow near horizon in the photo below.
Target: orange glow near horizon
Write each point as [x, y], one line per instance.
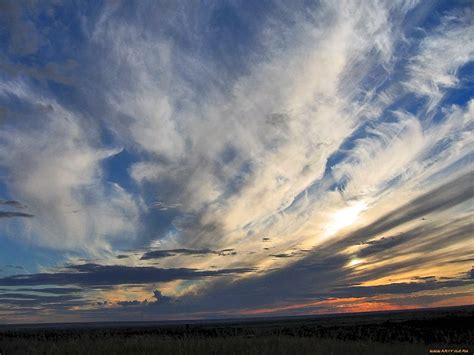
[329, 301]
[359, 305]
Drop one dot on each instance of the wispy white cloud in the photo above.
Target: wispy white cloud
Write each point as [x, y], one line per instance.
[55, 165]
[440, 56]
[239, 157]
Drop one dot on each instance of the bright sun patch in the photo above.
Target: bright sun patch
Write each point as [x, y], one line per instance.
[344, 218]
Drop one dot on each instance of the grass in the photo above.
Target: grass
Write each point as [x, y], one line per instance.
[147, 344]
[383, 333]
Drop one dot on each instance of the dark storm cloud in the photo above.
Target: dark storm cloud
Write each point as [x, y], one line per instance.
[108, 275]
[157, 254]
[8, 214]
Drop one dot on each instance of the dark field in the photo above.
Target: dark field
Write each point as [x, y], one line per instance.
[405, 332]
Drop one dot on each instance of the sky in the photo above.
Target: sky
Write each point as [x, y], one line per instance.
[169, 160]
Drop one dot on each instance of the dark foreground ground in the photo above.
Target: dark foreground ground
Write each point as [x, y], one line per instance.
[441, 331]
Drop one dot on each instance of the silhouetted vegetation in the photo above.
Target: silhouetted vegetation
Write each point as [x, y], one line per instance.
[414, 332]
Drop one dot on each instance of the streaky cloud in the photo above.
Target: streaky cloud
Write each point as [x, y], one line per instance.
[107, 275]
[10, 214]
[157, 254]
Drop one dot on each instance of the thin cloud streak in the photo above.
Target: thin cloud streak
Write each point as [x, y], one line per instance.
[106, 275]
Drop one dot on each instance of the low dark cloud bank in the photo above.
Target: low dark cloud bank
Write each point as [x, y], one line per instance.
[157, 254]
[108, 275]
[8, 214]
[12, 203]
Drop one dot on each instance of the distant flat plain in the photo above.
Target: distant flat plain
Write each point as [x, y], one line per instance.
[427, 331]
